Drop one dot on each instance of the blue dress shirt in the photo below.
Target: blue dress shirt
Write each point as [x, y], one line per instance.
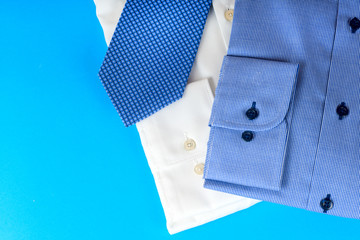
[285, 120]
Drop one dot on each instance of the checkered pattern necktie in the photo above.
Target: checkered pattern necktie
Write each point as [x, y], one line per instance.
[151, 55]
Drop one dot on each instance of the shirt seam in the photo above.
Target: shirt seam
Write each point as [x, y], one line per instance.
[323, 112]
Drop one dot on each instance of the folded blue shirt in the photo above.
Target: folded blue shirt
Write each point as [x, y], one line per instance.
[285, 120]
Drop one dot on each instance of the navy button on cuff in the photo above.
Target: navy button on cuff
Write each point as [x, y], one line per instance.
[247, 136]
[252, 112]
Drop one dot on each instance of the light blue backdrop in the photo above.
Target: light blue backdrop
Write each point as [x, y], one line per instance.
[68, 168]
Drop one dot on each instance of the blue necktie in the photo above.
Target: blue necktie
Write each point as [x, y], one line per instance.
[151, 55]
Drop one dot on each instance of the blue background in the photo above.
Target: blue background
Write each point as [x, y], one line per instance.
[69, 169]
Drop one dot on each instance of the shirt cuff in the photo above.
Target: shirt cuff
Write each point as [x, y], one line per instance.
[174, 141]
[250, 122]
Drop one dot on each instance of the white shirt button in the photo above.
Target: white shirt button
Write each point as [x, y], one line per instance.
[229, 14]
[199, 169]
[189, 144]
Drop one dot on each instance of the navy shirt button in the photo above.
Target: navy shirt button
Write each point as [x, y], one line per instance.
[354, 24]
[342, 110]
[252, 112]
[326, 203]
[247, 136]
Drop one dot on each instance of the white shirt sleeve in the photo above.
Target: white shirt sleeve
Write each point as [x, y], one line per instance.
[175, 138]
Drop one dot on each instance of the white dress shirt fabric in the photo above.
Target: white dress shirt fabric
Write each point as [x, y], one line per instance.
[164, 135]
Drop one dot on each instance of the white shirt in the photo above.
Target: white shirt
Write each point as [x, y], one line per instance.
[175, 138]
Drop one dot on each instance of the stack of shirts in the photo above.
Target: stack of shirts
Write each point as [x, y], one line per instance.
[284, 119]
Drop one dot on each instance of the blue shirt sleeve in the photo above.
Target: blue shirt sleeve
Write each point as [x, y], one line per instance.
[250, 122]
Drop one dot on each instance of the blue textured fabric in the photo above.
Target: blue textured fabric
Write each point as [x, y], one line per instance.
[302, 153]
[270, 129]
[151, 54]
